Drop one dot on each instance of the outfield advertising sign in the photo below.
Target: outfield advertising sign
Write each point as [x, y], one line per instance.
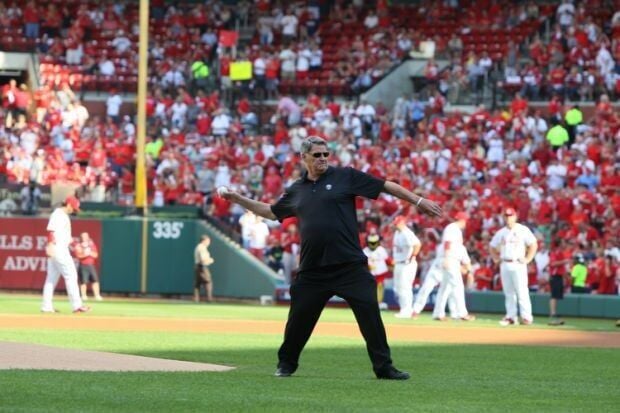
[23, 264]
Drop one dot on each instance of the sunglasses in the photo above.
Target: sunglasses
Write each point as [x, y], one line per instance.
[319, 154]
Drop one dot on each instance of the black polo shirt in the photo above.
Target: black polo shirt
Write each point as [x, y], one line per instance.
[326, 213]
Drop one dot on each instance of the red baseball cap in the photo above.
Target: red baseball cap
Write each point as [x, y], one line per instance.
[461, 215]
[73, 202]
[510, 211]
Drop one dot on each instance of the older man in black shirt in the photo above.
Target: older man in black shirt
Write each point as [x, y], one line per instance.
[332, 261]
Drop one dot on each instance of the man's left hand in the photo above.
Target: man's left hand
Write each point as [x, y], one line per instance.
[430, 208]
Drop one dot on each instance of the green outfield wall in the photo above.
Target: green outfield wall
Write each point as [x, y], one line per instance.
[236, 272]
[156, 256]
[578, 305]
[120, 255]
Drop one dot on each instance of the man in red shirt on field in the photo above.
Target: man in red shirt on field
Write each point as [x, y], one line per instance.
[559, 259]
[87, 254]
[483, 276]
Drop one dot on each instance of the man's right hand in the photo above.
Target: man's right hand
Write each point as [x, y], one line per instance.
[226, 193]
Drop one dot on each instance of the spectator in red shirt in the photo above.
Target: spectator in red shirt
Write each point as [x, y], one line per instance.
[557, 75]
[555, 109]
[608, 274]
[518, 105]
[52, 21]
[564, 206]
[578, 216]
[225, 82]
[272, 71]
[22, 100]
[272, 183]
[31, 18]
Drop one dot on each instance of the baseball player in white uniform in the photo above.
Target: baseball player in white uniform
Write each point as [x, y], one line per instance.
[513, 247]
[405, 248]
[453, 255]
[431, 280]
[59, 260]
[377, 264]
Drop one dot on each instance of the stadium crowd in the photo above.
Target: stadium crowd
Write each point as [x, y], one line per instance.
[567, 190]
[337, 47]
[479, 162]
[580, 58]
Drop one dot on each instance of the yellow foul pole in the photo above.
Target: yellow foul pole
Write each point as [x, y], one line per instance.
[141, 193]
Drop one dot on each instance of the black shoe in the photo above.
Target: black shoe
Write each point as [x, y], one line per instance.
[556, 322]
[283, 372]
[392, 373]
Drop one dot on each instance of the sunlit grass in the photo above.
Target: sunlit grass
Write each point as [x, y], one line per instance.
[334, 374]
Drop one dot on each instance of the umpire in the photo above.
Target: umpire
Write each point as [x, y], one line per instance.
[332, 261]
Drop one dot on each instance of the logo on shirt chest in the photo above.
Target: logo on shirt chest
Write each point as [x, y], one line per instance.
[328, 187]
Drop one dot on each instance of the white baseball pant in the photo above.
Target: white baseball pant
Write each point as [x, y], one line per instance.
[515, 287]
[431, 280]
[404, 274]
[451, 286]
[288, 263]
[61, 264]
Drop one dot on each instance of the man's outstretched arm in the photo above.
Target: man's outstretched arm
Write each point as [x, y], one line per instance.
[424, 205]
[259, 208]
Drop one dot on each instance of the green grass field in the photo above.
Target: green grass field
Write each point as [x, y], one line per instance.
[334, 373]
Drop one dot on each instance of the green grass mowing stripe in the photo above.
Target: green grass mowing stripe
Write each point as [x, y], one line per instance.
[334, 376]
[10, 304]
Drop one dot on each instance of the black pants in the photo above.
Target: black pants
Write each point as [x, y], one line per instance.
[310, 292]
[556, 282]
[88, 273]
[572, 132]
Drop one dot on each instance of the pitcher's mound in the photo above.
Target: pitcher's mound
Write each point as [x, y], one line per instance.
[35, 356]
